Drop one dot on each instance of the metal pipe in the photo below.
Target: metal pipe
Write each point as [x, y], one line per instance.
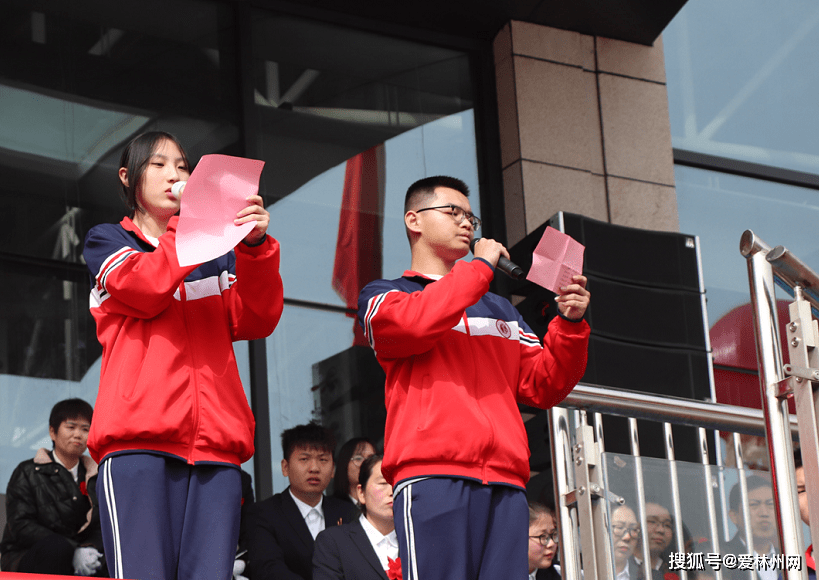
[702, 438]
[668, 437]
[563, 478]
[677, 410]
[807, 406]
[750, 244]
[803, 340]
[593, 514]
[598, 432]
[769, 359]
[639, 483]
[744, 527]
[723, 506]
[794, 272]
[745, 530]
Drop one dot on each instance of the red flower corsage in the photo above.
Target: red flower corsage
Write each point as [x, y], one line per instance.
[394, 570]
[670, 576]
[83, 488]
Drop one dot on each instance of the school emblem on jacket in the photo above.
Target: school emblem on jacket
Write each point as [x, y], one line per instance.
[503, 328]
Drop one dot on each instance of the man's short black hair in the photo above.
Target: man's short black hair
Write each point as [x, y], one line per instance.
[310, 435]
[67, 410]
[753, 482]
[424, 189]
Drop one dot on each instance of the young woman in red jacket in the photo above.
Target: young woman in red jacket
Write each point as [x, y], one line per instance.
[172, 424]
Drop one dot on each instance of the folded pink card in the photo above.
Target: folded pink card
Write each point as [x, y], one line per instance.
[557, 258]
[215, 193]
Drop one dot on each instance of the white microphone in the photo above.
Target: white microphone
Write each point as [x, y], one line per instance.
[177, 188]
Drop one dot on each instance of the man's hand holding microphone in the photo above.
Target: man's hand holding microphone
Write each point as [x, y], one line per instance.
[572, 300]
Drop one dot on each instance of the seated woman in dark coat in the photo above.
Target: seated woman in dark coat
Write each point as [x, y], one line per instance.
[364, 548]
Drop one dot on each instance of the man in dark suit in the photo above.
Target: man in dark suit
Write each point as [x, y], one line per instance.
[281, 530]
[762, 523]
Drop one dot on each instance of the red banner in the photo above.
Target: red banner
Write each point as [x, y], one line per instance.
[358, 258]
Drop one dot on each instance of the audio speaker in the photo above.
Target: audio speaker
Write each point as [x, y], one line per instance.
[649, 329]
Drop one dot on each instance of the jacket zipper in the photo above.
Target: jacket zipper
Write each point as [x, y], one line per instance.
[194, 377]
[486, 418]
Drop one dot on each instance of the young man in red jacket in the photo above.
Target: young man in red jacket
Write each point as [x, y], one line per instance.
[458, 360]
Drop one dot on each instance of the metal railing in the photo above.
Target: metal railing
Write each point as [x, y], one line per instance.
[576, 467]
[799, 379]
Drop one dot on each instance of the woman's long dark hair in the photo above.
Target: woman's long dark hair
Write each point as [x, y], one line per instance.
[341, 482]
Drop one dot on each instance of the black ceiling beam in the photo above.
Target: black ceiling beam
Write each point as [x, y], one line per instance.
[637, 21]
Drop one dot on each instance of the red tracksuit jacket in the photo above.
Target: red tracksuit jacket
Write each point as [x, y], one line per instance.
[169, 381]
[458, 361]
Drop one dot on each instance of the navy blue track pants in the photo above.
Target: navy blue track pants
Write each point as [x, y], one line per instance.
[456, 528]
[163, 519]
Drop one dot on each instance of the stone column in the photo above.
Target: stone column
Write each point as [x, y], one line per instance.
[584, 128]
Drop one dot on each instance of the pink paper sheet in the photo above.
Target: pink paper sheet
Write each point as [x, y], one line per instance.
[214, 194]
[557, 258]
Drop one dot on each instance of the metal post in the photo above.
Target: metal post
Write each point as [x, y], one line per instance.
[803, 339]
[769, 359]
[592, 513]
[745, 530]
[709, 494]
[668, 437]
[723, 502]
[639, 483]
[563, 477]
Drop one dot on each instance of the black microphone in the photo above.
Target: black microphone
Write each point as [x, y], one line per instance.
[505, 265]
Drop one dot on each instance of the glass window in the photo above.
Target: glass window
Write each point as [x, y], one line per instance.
[739, 84]
[718, 207]
[324, 93]
[45, 331]
[77, 82]
[25, 405]
[304, 338]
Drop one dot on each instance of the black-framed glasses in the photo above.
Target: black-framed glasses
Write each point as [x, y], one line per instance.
[620, 530]
[543, 539]
[458, 214]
